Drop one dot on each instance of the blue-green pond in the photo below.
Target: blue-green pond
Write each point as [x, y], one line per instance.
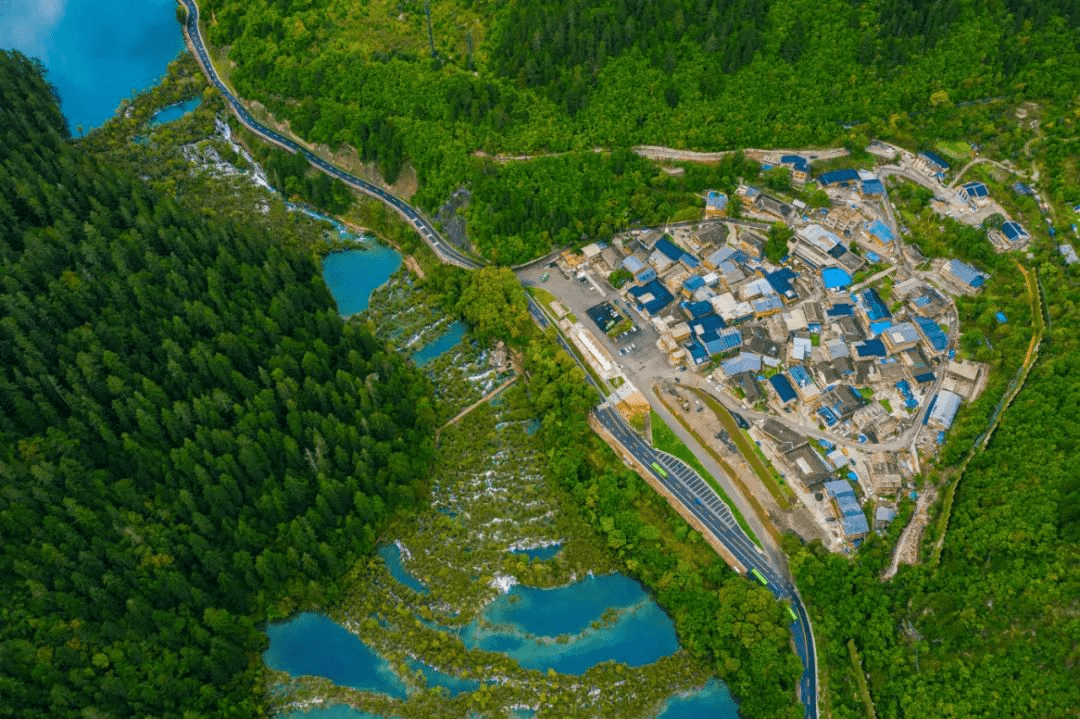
[96, 53]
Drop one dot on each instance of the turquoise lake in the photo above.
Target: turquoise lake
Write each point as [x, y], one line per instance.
[96, 53]
[353, 275]
[435, 678]
[391, 554]
[524, 623]
[542, 553]
[174, 112]
[311, 644]
[713, 701]
[447, 340]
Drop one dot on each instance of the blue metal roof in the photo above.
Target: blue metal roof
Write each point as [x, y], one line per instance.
[935, 159]
[708, 323]
[875, 308]
[767, 304]
[1014, 231]
[697, 352]
[725, 342]
[835, 278]
[632, 264]
[841, 309]
[661, 298]
[945, 408]
[796, 161]
[698, 309]
[799, 375]
[965, 273]
[694, 282]
[783, 387]
[880, 230]
[742, 362]
[716, 200]
[870, 348]
[781, 282]
[975, 189]
[924, 377]
[831, 178]
[669, 249]
[930, 329]
[873, 187]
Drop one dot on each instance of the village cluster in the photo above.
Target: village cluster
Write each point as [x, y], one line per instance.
[839, 361]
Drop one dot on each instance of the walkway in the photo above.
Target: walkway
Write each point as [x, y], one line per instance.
[474, 405]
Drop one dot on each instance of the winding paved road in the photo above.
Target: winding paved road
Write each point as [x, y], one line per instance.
[680, 479]
[445, 252]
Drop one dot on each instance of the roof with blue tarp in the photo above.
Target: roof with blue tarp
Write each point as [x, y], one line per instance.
[873, 187]
[831, 178]
[783, 387]
[870, 348]
[975, 189]
[880, 230]
[1014, 231]
[797, 162]
[924, 377]
[935, 159]
[933, 333]
[875, 307]
[652, 297]
[690, 261]
[1000, 317]
[781, 282]
[698, 309]
[835, 278]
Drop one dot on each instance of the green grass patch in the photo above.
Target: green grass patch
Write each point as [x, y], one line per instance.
[866, 392]
[665, 440]
[541, 295]
[885, 403]
[956, 149]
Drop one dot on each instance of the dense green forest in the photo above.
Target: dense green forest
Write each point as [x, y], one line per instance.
[529, 77]
[191, 440]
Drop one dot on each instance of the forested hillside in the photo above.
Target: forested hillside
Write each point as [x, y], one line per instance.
[528, 76]
[191, 440]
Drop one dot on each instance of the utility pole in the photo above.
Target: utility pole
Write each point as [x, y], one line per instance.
[430, 34]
